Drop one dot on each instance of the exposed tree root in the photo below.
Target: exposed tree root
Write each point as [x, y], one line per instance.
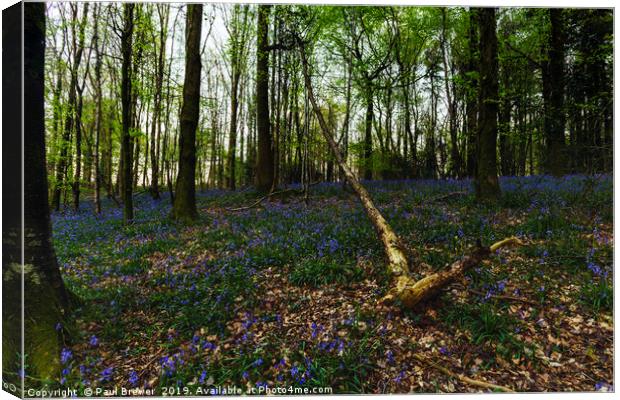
[461, 377]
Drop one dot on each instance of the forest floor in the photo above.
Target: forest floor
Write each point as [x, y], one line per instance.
[287, 293]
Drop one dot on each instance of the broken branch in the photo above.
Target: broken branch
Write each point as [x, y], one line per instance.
[461, 377]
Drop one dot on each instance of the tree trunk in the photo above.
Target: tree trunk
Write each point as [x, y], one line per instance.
[264, 166]
[98, 112]
[78, 121]
[184, 207]
[45, 298]
[487, 184]
[367, 159]
[455, 155]
[126, 103]
[70, 121]
[553, 95]
[472, 94]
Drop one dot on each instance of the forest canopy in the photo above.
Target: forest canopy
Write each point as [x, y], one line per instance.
[399, 87]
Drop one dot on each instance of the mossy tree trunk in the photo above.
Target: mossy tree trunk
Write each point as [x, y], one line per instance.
[184, 206]
[45, 298]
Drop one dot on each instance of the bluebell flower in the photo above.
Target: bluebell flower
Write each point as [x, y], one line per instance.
[399, 377]
[106, 374]
[133, 378]
[202, 378]
[93, 340]
[603, 386]
[65, 355]
[390, 357]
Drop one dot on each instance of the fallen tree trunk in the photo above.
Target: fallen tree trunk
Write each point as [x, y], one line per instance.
[398, 265]
[406, 290]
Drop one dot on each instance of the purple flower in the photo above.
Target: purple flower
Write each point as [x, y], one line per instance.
[258, 362]
[399, 377]
[333, 245]
[245, 375]
[203, 375]
[106, 374]
[133, 378]
[58, 326]
[444, 351]
[390, 357]
[94, 341]
[65, 355]
[603, 387]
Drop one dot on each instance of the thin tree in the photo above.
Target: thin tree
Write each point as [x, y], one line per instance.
[471, 92]
[163, 11]
[77, 44]
[98, 108]
[126, 104]
[238, 32]
[184, 206]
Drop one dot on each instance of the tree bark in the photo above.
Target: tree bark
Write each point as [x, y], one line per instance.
[264, 166]
[487, 184]
[553, 95]
[184, 206]
[126, 103]
[471, 104]
[98, 111]
[45, 299]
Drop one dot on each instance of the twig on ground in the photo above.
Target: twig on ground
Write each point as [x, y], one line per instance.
[461, 377]
[269, 195]
[506, 297]
[441, 197]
